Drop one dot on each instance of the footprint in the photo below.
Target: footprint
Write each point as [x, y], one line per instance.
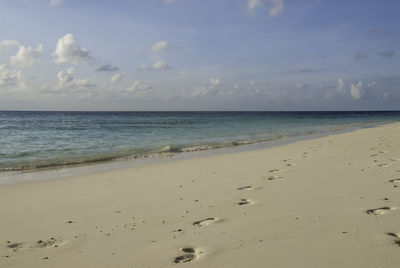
[190, 255]
[397, 235]
[272, 178]
[52, 242]
[395, 182]
[383, 165]
[248, 188]
[244, 202]
[205, 222]
[46, 243]
[274, 170]
[379, 211]
[14, 246]
[394, 234]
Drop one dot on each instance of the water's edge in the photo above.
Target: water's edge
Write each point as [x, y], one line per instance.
[60, 172]
[50, 140]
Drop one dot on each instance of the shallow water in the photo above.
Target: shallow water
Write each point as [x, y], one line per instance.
[32, 140]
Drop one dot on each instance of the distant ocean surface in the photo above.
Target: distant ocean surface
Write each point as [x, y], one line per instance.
[32, 140]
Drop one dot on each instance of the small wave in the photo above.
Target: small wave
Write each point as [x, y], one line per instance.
[164, 151]
[56, 163]
[170, 149]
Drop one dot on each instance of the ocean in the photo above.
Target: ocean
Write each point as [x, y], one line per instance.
[34, 140]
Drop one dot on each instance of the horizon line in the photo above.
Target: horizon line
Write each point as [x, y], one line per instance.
[199, 111]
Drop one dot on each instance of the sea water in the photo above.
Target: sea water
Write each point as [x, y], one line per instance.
[33, 140]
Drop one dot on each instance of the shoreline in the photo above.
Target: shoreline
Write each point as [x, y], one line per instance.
[65, 171]
[337, 194]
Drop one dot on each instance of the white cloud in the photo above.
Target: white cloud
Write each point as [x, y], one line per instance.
[341, 85]
[275, 6]
[26, 56]
[158, 47]
[139, 86]
[207, 88]
[215, 89]
[252, 4]
[215, 81]
[56, 2]
[202, 91]
[355, 90]
[115, 78]
[9, 77]
[160, 65]
[68, 51]
[67, 79]
[8, 43]
[155, 51]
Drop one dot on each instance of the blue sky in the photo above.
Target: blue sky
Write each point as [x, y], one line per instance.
[199, 55]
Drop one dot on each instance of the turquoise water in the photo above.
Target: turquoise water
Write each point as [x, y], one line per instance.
[32, 140]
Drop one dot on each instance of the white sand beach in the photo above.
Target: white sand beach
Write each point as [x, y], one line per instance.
[326, 202]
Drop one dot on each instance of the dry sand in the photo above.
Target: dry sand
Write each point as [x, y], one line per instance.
[325, 202]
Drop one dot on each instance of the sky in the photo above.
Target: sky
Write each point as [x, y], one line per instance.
[271, 55]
